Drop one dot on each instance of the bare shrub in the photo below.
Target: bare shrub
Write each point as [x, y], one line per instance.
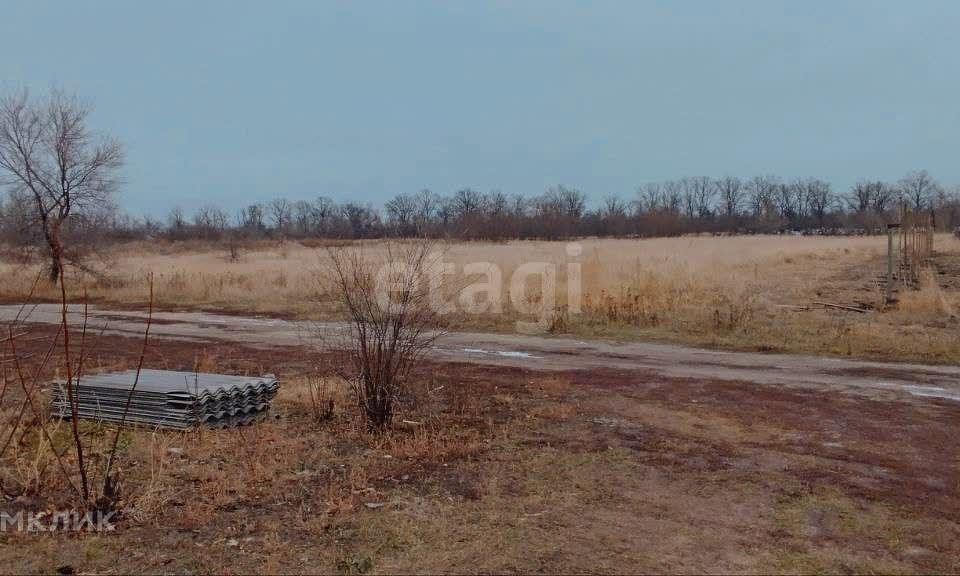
[233, 248]
[391, 320]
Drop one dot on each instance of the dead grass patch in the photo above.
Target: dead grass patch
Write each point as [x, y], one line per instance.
[730, 292]
[572, 472]
[929, 301]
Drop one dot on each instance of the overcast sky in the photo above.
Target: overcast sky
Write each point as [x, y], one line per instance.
[231, 102]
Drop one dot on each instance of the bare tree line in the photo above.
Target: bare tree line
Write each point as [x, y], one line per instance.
[59, 179]
[725, 205]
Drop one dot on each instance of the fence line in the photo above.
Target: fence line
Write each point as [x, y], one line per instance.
[909, 248]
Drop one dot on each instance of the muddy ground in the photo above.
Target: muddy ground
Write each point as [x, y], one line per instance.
[511, 469]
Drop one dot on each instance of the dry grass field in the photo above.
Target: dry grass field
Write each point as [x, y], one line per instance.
[748, 292]
[568, 470]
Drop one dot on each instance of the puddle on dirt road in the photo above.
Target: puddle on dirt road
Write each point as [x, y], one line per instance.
[502, 353]
[932, 392]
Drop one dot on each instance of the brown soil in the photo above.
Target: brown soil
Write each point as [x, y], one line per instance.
[512, 469]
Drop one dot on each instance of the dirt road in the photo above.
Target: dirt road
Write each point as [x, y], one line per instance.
[542, 353]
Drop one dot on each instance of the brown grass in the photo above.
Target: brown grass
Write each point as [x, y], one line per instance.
[503, 470]
[928, 301]
[739, 292]
[278, 278]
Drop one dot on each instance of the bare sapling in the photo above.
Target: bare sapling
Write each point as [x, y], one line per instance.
[110, 491]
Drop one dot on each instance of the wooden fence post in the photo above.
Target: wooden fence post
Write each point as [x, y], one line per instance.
[890, 230]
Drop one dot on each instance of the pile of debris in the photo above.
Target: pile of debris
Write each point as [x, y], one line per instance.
[168, 399]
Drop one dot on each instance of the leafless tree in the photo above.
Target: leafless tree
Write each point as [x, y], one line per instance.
[363, 221]
[303, 218]
[650, 197]
[558, 211]
[919, 188]
[761, 191]
[427, 204]
[47, 149]
[210, 221]
[870, 196]
[703, 191]
[673, 192]
[613, 215]
[219, 219]
[883, 197]
[466, 202]
[948, 210]
[499, 223]
[401, 214]
[519, 206]
[175, 218]
[689, 199]
[573, 201]
[151, 227]
[392, 321]
[613, 207]
[280, 214]
[445, 211]
[731, 195]
[324, 211]
[497, 203]
[819, 198]
[251, 220]
[790, 199]
[861, 195]
[467, 206]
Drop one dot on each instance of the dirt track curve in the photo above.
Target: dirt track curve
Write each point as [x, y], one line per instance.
[539, 352]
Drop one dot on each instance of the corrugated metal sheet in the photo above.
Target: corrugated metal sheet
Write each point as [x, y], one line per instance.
[169, 399]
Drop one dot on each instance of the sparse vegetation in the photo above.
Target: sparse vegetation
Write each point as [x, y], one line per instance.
[573, 471]
[752, 292]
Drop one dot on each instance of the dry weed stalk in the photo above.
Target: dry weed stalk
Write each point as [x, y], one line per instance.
[109, 492]
[321, 398]
[30, 384]
[927, 300]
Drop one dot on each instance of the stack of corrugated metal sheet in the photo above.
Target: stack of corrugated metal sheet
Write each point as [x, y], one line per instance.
[169, 399]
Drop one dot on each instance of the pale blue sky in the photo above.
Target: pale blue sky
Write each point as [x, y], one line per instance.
[233, 102]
